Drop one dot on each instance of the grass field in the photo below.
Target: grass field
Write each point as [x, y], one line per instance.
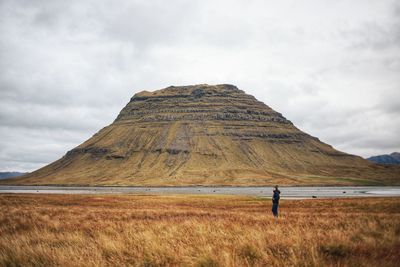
[93, 230]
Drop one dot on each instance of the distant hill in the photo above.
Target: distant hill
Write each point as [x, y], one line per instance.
[395, 155]
[393, 158]
[5, 175]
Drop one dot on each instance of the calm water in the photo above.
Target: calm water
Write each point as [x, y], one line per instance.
[286, 192]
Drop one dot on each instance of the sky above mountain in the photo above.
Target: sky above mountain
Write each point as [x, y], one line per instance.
[69, 67]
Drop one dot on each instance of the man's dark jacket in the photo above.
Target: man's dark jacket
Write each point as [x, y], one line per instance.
[276, 197]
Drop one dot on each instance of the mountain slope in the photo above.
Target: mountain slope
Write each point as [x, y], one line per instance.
[206, 135]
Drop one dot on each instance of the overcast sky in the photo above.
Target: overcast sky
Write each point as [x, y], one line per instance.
[68, 67]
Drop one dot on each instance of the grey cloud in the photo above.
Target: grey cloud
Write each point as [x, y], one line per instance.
[27, 149]
[42, 117]
[376, 34]
[135, 21]
[371, 35]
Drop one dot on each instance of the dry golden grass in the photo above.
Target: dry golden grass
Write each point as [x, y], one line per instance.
[81, 230]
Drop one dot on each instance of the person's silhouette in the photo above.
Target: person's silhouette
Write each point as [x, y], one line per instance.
[275, 201]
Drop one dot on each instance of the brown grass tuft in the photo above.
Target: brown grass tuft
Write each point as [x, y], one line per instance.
[127, 230]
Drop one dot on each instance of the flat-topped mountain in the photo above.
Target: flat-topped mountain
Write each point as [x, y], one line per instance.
[205, 134]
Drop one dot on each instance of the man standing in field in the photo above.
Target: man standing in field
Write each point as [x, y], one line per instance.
[275, 201]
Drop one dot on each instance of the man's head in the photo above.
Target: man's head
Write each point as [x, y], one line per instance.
[276, 187]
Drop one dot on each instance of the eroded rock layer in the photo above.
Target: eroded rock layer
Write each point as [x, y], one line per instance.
[205, 134]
